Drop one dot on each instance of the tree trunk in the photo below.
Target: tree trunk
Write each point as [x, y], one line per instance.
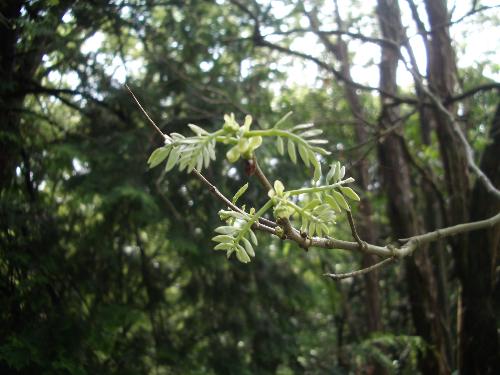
[480, 351]
[397, 182]
[10, 146]
[478, 348]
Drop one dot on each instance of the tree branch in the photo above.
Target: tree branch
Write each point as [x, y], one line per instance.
[355, 235]
[340, 276]
[260, 41]
[389, 251]
[473, 91]
[469, 153]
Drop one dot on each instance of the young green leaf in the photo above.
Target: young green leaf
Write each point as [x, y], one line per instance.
[197, 130]
[224, 246]
[253, 237]
[279, 188]
[317, 168]
[319, 230]
[302, 127]
[199, 162]
[325, 228]
[223, 238]
[206, 156]
[242, 255]
[172, 159]
[336, 175]
[158, 156]
[342, 173]
[341, 200]
[349, 193]
[283, 119]
[226, 230]
[312, 228]
[311, 133]
[291, 151]
[239, 193]
[333, 203]
[280, 146]
[304, 155]
[331, 173]
[248, 247]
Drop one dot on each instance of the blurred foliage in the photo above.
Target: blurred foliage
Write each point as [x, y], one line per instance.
[107, 267]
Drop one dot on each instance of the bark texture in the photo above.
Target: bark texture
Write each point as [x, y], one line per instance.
[480, 351]
[421, 282]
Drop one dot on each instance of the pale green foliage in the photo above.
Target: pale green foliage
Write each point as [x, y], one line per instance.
[187, 153]
[302, 139]
[317, 217]
[197, 151]
[245, 146]
[319, 205]
[237, 236]
[239, 193]
[315, 207]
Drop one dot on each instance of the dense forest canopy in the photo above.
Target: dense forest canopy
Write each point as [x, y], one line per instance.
[107, 266]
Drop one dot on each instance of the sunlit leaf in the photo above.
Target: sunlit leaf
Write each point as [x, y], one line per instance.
[172, 159]
[197, 130]
[253, 237]
[158, 156]
[248, 247]
[224, 246]
[225, 230]
[242, 255]
[349, 193]
[223, 238]
[340, 200]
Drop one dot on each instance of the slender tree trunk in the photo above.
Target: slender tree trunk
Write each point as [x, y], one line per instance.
[475, 254]
[480, 351]
[9, 118]
[19, 61]
[397, 182]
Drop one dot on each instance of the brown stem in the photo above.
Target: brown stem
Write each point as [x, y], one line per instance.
[355, 235]
[261, 176]
[340, 276]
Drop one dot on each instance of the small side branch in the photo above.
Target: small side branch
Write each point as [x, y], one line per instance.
[340, 276]
[469, 153]
[389, 252]
[355, 235]
[263, 224]
[264, 181]
[158, 130]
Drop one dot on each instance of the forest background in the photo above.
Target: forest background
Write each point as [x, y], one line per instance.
[107, 266]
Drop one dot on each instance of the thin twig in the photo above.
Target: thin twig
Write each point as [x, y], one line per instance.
[145, 113]
[340, 276]
[261, 176]
[355, 235]
[469, 152]
[389, 252]
[263, 224]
